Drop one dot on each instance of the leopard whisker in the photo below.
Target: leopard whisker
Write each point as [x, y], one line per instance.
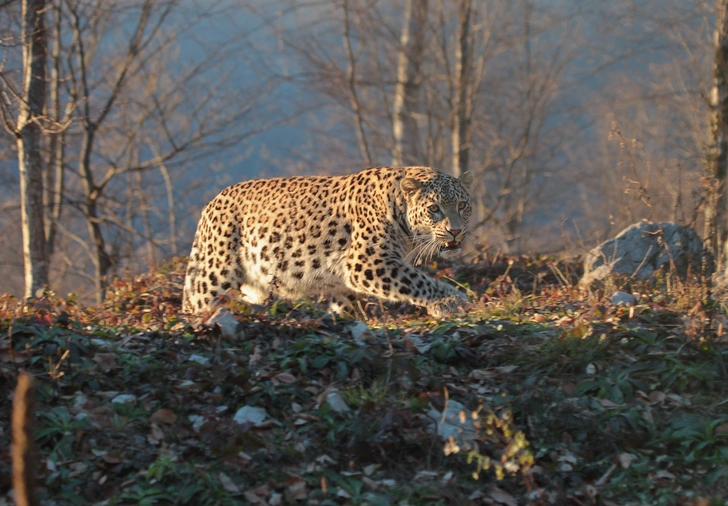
[420, 253]
[435, 248]
[432, 248]
[420, 243]
[415, 250]
[426, 252]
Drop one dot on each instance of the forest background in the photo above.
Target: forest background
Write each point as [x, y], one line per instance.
[577, 117]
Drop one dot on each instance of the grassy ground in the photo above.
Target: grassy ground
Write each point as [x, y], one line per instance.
[576, 401]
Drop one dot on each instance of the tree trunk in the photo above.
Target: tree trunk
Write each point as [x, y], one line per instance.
[54, 179]
[717, 160]
[353, 96]
[462, 91]
[172, 217]
[29, 141]
[406, 95]
[101, 259]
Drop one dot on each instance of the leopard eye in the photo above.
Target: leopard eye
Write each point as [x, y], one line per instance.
[462, 205]
[434, 208]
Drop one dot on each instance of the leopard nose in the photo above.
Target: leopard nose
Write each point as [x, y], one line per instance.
[455, 232]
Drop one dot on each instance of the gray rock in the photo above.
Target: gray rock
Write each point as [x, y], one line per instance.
[451, 424]
[199, 359]
[250, 414]
[361, 333]
[124, 399]
[641, 249]
[228, 324]
[337, 402]
[623, 299]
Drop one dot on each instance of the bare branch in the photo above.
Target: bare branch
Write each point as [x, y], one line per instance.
[351, 73]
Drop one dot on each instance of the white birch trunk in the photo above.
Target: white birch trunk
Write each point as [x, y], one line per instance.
[462, 91]
[29, 141]
[405, 104]
[54, 173]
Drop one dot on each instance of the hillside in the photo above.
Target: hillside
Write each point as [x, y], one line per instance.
[577, 401]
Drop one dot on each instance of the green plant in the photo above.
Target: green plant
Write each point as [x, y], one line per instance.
[514, 455]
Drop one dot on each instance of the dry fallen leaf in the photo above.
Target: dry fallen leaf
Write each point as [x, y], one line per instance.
[77, 468]
[606, 403]
[343, 494]
[369, 470]
[625, 460]
[325, 460]
[662, 475]
[228, 484]
[258, 495]
[569, 388]
[9, 355]
[425, 475]
[284, 377]
[163, 416]
[374, 485]
[252, 498]
[111, 458]
[101, 416]
[722, 428]
[106, 361]
[155, 434]
[295, 489]
[481, 374]
[501, 496]
[657, 397]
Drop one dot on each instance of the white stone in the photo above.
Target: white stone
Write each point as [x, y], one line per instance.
[199, 359]
[336, 402]
[102, 343]
[360, 331]
[643, 248]
[197, 421]
[421, 346]
[227, 322]
[450, 425]
[250, 414]
[124, 399]
[623, 299]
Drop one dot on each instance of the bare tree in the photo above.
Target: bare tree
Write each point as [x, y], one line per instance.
[716, 213]
[29, 132]
[90, 122]
[141, 99]
[406, 94]
[462, 107]
[652, 117]
[133, 119]
[351, 82]
[55, 166]
[446, 78]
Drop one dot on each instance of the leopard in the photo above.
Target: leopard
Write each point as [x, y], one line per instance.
[347, 237]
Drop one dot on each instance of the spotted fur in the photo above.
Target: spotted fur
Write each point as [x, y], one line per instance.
[345, 236]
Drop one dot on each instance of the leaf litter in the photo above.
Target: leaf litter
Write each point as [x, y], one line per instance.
[564, 397]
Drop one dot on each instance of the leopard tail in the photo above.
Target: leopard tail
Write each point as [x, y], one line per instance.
[24, 456]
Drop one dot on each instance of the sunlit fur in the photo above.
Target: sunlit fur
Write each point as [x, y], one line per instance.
[431, 229]
[345, 236]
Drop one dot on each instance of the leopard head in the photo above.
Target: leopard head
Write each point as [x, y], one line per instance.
[438, 211]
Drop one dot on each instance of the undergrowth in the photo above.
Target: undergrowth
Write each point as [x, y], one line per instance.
[555, 395]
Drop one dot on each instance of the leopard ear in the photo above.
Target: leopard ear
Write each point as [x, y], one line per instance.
[466, 179]
[409, 185]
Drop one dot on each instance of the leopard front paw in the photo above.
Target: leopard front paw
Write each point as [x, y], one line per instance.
[456, 303]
